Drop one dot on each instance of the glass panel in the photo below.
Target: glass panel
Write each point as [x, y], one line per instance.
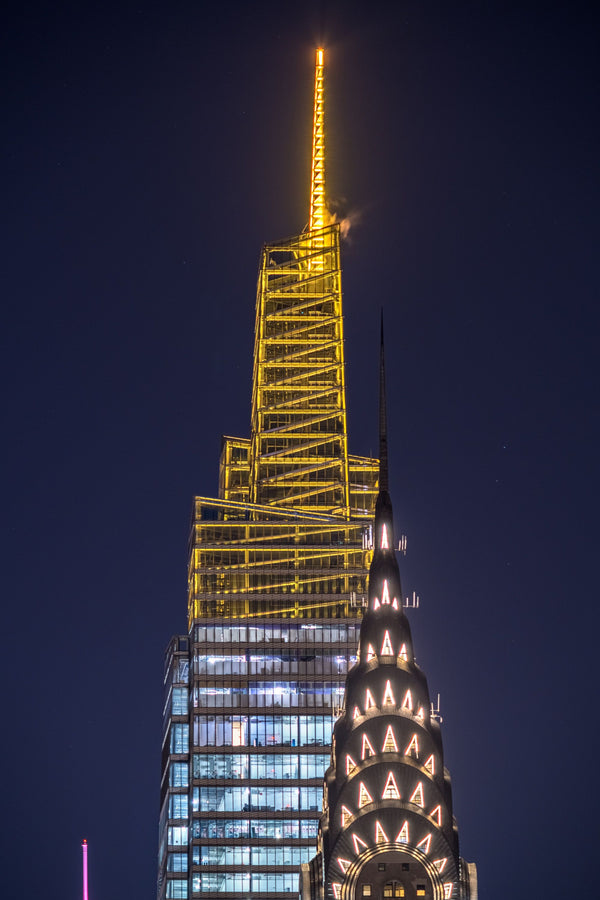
[177, 836]
[179, 737]
[177, 862]
[179, 701]
[178, 806]
[178, 774]
[177, 889]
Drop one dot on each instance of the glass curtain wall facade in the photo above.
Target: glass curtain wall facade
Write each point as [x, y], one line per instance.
[277, 581]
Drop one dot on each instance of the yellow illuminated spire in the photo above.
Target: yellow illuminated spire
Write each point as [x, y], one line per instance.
[318, 212]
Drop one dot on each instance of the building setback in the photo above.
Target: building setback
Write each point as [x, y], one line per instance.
[277, 582]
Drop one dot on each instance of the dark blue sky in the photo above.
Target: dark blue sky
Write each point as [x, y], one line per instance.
[150, 150]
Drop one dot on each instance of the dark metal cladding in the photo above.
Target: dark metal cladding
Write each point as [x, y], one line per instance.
[387, 828]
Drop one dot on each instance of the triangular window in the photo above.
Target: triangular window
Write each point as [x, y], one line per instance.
[369, 702]
[448, 890]
[346, 815]
[437, 814]
[356, 841]
[386, 647]
[384, 538]
[430, 764]
[344, 864]
[389, 744]
[350, 764]
[364, 796]
[336, 887]
[380, 835]
[402, 836]
[370, 653]
[407, 703]
[403, 653]
[417, 795]
[390, 791]
[388, 697]
[385, 597]
[413, 747]
[425, 844]
[421, 714]
[440, 864]
[367, 748]
[356, 713]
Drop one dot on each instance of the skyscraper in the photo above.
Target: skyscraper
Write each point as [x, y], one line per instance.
[387, 829]
[277, 582]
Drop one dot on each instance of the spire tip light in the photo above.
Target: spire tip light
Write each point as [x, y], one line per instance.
[317, 182]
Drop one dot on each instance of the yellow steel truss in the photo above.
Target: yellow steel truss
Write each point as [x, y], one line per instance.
[249, 559]
[299, 454]
[234, 471]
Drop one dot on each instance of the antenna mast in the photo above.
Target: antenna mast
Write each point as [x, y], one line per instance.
[84, 848]
[318, 213]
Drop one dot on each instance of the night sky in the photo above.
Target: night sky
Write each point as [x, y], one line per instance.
[150, 149]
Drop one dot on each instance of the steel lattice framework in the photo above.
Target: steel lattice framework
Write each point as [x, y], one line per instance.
[299, 454]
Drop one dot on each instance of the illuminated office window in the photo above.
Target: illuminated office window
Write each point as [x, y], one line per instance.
[180, 738]
[256, 797]
[177, 889]
[177, 836]
[178, 806]
[179, 701]
[178, 774]
[279, 829]
[177, 862]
